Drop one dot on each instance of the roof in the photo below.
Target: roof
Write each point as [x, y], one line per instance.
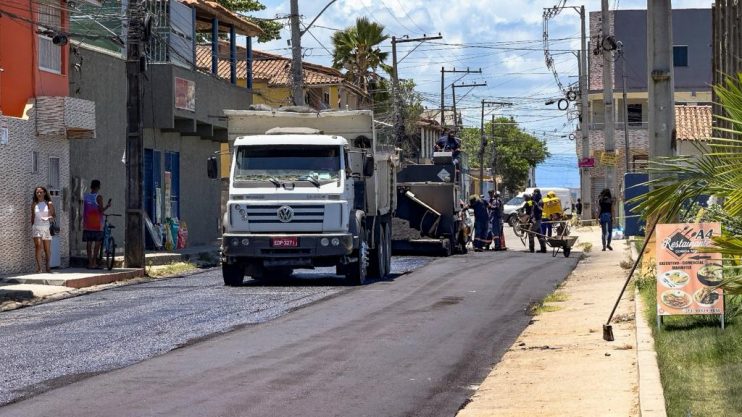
[693, 122]
[302, 140]
[271, 68]
[207, 9]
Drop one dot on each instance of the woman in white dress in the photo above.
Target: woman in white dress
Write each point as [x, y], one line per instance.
[42, 210]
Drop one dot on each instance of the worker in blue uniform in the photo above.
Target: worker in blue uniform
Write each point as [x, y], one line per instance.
[481, 222]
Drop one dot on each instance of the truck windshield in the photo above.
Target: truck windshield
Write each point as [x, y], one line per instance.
[315, 164]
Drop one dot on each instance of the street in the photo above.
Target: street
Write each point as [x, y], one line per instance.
[416, 344]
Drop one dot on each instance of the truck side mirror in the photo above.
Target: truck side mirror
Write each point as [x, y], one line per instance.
[211, 168]
[368, 166]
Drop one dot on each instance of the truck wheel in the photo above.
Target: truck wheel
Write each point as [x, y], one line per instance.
[233, 274]
[377, 265]
[388, 247]
[355, 274]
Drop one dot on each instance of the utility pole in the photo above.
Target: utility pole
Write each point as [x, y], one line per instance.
[398, 121]
[134, 234]
[625, 109]
[443, 86]
[453, 97]
[585, 180]
[661, 78]
[609, 127]
[296, 70]
[494, 151]
[482, 142]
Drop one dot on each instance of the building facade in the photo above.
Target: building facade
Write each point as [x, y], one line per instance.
[39, 123]
[692, 33]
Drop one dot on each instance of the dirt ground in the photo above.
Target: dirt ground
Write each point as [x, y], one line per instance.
[560, 365]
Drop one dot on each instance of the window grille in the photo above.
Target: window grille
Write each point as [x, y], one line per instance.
[50, 20]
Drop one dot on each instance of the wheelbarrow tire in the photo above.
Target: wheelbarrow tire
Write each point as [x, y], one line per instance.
[566, 251]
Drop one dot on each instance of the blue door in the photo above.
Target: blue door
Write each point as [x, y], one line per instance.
[172, 164]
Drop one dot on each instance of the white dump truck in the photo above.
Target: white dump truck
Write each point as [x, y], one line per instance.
[307, 189]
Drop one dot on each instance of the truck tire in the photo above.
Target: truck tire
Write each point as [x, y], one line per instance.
[355, 272]
[377, 258]
[388, 247]
[233, 274]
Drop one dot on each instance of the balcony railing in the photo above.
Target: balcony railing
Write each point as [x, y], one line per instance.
[620, 125]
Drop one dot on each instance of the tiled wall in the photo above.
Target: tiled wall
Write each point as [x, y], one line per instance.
[16, 191]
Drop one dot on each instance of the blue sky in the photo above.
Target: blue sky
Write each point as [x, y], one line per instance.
[503, 38]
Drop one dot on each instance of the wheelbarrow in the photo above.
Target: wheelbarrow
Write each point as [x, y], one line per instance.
[564, 243]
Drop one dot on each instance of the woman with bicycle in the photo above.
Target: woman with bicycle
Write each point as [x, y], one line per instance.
[42, 211]
[92, 217]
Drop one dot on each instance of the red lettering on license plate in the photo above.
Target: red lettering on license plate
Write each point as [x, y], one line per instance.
[285, 242]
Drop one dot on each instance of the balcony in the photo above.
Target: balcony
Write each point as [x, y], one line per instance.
[190, 102]
[70, 117]
[620, 125]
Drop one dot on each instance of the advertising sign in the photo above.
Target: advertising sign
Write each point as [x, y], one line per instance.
[608, 158]
[185, 94]
[685, 277]
[586, 163]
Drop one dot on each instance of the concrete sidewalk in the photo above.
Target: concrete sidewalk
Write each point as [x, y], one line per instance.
[19, 290]
[561, 366]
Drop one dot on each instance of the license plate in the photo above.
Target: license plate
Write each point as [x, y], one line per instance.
[285, 242]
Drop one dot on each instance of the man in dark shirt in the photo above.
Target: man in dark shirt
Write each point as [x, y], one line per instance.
[538, 209]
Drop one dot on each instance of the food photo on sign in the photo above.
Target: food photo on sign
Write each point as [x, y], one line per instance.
[687, 279]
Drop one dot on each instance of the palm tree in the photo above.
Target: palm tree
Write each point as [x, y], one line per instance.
[357, 51]
[718, 173]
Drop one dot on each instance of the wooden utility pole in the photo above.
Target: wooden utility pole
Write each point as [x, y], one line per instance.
[660, 77]
[296, 70]
[134, 234]
[609, 127]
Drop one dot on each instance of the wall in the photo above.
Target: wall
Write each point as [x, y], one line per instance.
[16, 59]
[17, 254]
[103, 80]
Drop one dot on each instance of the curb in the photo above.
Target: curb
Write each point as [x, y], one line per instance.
[651, 394]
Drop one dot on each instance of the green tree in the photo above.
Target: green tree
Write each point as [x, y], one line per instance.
[411, 107]
[271, 29]
[516, 151]
[356, 49]
[680, 179]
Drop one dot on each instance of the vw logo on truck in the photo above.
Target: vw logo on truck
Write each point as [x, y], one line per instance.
[285, 214]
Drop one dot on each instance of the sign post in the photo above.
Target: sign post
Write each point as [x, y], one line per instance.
[687, 279]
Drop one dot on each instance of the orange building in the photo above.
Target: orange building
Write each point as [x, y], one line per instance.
[33, 52]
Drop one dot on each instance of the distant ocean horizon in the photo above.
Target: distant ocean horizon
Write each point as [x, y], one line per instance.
[559, 170]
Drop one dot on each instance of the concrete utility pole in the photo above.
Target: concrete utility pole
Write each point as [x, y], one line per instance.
[134, 234]
[482, 143]
[609, 127]
[585, 180]
[443, 86]
[296, 70]
[660, 74]
[398, 121]
[625, 108]
[453, 98]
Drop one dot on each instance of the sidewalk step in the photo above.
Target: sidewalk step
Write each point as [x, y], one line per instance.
[76, 279]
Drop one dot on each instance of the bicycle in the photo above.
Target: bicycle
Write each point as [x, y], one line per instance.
[109, 243]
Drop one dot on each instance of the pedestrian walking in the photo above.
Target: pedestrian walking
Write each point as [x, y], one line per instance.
[92, 217]
[481, 222]
[42, 211]
[538, 210]
[578, 207]
[605, 204]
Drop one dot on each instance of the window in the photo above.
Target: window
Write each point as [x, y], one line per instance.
[54, 183]
[34, 162]
[50, 56]
[326, 100]
[634, 113]
[680, 56]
